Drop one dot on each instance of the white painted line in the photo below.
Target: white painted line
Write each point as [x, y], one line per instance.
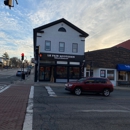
[29, 111]
[4, 88]
[50, 91]
[122, 111]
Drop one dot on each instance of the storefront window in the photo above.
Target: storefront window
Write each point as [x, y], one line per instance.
[122, 75]
[74, 72]
[47, 73]
[110, 74]
[41, 73]
[102, 73]
[61, 72]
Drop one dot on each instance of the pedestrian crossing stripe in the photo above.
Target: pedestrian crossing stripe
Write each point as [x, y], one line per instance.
[50, 91]
[4, 88]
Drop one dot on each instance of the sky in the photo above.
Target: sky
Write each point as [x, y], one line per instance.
[106, 21]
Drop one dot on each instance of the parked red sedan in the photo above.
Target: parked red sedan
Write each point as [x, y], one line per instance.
[92, 84]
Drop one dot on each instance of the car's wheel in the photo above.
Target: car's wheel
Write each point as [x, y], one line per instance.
[78, 91]
[106, 92]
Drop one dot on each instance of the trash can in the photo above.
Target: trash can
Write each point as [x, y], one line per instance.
[23, 76]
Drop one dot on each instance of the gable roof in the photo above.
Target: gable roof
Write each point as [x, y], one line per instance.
[125, 44]
[84, 34]
[39, 29]
[108, 58]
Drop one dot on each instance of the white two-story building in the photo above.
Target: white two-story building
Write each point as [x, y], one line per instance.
[61, 50]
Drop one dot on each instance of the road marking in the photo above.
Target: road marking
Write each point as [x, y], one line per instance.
[50, 91]
[122, 111]
[29, 111]
[3, 88]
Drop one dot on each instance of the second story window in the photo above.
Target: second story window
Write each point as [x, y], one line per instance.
[74, 47]
[61, 46]
[47, 45]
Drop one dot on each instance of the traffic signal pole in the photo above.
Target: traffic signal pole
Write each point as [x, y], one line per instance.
[36, 64]
[23, 74]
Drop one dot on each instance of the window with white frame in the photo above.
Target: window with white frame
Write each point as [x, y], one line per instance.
[61, 46]
[75, 47]
[47, 45]
[110, 74]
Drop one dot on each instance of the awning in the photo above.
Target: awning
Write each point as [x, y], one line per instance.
[122, 67]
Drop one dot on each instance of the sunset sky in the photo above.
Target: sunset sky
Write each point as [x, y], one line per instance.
[106, 21]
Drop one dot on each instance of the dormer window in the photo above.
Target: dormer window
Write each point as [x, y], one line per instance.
[62, 29]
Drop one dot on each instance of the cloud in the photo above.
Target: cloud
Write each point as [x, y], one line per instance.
[15, 32]
[106, 22]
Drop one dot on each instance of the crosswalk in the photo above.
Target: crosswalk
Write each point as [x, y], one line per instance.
[50, 91]
[3, 87]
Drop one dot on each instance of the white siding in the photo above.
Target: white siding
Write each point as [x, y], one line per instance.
[70, 36]
[96, 73]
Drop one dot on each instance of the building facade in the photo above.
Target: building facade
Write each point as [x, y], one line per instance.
[4, 62]
[112, 63]
[59, 52]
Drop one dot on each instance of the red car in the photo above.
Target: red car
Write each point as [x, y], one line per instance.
[92, 84]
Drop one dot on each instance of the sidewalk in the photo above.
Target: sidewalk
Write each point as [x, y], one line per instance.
[14, 101]
[13, 104]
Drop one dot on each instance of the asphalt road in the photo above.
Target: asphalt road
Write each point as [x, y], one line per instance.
[8, 76]
[57, 109]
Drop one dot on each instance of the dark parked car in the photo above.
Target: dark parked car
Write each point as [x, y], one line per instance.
[91, 84]
[19, 73]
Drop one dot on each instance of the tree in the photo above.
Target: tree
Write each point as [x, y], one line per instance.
[15, 62]
[5, 56]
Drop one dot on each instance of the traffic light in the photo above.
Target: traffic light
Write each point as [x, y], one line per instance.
[22, 56]
[40, 55]
[8, 3]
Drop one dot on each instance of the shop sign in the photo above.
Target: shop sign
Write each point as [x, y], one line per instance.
[127, 66]
[56, 56]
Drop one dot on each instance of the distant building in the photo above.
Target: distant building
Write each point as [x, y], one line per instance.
[4, 62]
[112, 63]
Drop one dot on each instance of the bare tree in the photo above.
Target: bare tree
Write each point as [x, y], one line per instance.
[15, 62]
[5, 55]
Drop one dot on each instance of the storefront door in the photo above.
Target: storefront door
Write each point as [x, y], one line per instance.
[44, 73]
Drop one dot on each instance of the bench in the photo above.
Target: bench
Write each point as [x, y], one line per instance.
[123, 83]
